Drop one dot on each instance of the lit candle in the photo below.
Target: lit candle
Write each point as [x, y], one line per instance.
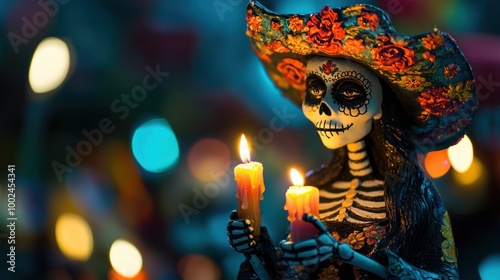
[301, 200]
[250, 182]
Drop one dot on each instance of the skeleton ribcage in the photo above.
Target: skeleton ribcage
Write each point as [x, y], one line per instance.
[363, 201]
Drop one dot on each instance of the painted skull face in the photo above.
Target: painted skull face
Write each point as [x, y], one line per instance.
[342, 99]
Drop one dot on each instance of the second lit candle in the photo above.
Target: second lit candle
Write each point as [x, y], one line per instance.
[300, 200]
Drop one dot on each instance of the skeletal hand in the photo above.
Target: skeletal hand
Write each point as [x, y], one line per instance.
[239, 233]
[311, 251]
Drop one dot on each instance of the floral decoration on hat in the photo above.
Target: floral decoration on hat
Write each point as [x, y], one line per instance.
[429, 74]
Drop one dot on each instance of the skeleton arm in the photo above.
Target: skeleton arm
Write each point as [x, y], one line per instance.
[262, 260]
[324, 246]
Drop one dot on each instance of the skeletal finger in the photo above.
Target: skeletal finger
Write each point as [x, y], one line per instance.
[244, 239]
[302, 245]
[310, 261]
[238, 223]
[243, 248]
[315, 222]
[237, 232]
[233, 215]
[286, 246]
[290, 262]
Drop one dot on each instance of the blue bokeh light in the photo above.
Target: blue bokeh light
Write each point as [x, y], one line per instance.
[489, 269]
[155, 146]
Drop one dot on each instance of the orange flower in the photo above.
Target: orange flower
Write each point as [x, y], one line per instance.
[325, 31]
[354, 46]
[394, 57]
[432, 41]
[276, 25]
[293, 71]
[429, 56]
[416, 83]
[254, 22]
[295, 24]
[277, 46]
[368, 20]
[356, 240]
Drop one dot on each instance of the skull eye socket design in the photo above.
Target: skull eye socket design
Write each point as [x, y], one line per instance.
[315, 90]
[352, 96]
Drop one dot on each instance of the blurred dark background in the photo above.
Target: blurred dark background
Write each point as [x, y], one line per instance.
[138, 142]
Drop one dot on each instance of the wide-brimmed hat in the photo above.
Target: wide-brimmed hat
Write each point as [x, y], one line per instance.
[428, 73]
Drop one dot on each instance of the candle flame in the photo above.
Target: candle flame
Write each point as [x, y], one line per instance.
[244, 150]
[297, 179]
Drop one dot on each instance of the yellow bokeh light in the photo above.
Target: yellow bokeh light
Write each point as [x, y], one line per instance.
[74, 237]
[461, 155]
[437, 163]
[125, 258]
[49, 66]
[472, 175]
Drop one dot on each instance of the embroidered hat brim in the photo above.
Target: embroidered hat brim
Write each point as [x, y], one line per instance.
[429, 74]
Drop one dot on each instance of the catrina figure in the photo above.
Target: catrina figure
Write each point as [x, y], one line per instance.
[376, 98]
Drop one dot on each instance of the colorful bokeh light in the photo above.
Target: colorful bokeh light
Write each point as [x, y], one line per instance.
[155, 145]
[489, 268]
[209, 159]
[194, 267]
[471, 176]
[50, 65]
[125, 259]
[74, 237]
[437, 163]
[461, 155]
[114, 275]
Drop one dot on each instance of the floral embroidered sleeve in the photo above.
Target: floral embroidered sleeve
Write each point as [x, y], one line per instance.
[439, 261]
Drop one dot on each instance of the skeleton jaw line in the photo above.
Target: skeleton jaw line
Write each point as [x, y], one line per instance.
[323, 128]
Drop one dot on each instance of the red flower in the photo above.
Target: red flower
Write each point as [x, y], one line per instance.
[368, 20]
[374, 234]
[294, 72]
[437, 102]
[328, 67]
[451, 71]
[325, 31]
[394, 57]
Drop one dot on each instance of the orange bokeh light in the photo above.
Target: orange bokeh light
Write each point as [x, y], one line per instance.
[113, 275]
[437, 163]
[208, 159]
